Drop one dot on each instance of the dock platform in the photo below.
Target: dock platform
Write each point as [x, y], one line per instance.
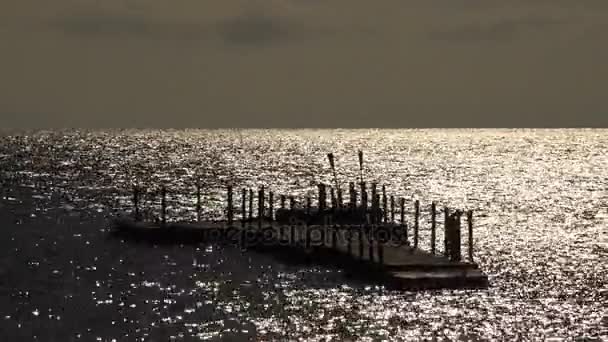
[356, 249]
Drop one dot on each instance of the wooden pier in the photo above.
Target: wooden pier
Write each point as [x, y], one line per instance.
[362, 237]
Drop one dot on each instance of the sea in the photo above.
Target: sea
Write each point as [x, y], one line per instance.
[539, 198]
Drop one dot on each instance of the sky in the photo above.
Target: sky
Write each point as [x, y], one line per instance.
[303, 63]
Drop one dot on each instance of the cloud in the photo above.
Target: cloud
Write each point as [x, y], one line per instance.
[250, 28]
[496, 31]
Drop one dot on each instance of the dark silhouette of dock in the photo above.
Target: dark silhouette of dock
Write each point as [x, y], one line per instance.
[364, 237]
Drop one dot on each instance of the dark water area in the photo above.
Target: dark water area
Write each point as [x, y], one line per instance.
[541, 234]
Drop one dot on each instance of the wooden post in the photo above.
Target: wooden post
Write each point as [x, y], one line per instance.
[353, 196]
[283, 198]
[470, 222]
[334, 202]
[402, 218]
[136, 202]
[392, 209]
[260, 206]
[456, 242]
[416, 223]
[230, 206]
[384, 204]
[321, 198]
[339, 193]
[433, 226]
[374, 185]
[198, 200]
[292, 203]
[244, 207]
[250, 206]
[446, 231]
[308, 207]
[363, 201]
[163, 205]
[270, 206]
[378, 212]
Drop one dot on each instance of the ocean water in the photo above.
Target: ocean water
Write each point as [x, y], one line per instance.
[540, 199]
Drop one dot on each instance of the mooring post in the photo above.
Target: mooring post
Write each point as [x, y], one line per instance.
[456, 243]
[374, 190]
[353, 196]
[230, 207]
[433, 226]
[283, 198]
[292, 204]
[392, 209]
[470, 222]
[384, 204]
[260, 207]
[250, 206]
[363, 201]
[334, 202]
[416, 223]
[321, 198]
[446, 231]
[198, 199]
[339, 193]
[163, 204]
[402, 218]
[270, 206]
[308, 207]
[136, 202]
[378, 212]
[244, 207]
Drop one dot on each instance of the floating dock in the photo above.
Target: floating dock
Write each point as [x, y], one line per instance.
[363, 235]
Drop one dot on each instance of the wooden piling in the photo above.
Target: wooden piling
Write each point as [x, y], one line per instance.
[244, 207]
[283, 198]
[229, 211]
[260, 207]
[270, 206]
[334, 202]
[363, 201]
[198, 200]
[339, 193]
[163, 204]
[308, 207]
[374, 191]
[402, 218]
[353, 196]
[433, 226]
[136, 202]
[446, 231]
[392, 209]
[292, 203]
[470, 223]
[384, 204]
[456, 238]
[250, 206]
[378, 212]
[322, 198]
[416, 222]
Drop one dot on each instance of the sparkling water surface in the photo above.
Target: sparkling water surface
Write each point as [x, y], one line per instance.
[540, 199]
